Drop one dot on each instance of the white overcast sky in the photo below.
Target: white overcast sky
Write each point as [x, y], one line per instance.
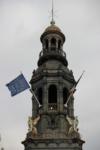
[21, 24]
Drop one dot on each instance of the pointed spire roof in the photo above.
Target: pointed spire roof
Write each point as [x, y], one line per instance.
[52, 11]
[52, 27]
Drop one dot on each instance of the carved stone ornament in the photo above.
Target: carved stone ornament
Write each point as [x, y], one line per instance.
[73, 122]
[32, 125]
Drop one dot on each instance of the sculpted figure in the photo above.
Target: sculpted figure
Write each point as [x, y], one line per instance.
[73, 124]
[32, 125]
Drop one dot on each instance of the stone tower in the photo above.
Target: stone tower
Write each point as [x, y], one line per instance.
[53, 124]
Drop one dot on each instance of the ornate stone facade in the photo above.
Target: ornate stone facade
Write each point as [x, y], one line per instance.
[53, 115]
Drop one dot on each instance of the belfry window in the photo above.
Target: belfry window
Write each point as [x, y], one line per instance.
[52, 94]
[65, 95]
[59, 44]
[46, 43]
[53, 43]
[40, 94]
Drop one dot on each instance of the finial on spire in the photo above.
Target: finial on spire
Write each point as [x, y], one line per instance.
[52, 21]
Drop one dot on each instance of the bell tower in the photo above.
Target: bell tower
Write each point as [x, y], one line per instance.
[53, 124]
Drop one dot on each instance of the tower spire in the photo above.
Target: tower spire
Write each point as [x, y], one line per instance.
[52, 11]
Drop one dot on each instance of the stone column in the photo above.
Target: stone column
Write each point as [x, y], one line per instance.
[45, 97]
[56, 44]
[43, 45]
[49, 44]
[71, 107]
[60, 97]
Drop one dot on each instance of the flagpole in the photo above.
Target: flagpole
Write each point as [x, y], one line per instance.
[73, 89]
[35, 96]
[80, 78]
[69, 98]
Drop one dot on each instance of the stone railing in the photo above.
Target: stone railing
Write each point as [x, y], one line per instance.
[52, 106]
[52, 52]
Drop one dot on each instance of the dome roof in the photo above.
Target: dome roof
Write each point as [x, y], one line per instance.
[52, 27]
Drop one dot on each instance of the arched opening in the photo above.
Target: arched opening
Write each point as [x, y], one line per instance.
[40, 94]
[46, 43]
[59, 44]
[65, 95]
[53, 44]
[52, 94]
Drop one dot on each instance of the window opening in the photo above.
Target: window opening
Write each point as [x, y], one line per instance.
[52, 94]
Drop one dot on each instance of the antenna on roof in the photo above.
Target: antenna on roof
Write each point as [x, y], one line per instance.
[52, 11]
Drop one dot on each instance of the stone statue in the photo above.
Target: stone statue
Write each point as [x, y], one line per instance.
[73, 124]
[32, 125]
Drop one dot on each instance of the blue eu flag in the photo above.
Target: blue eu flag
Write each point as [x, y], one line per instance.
[18, 85]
